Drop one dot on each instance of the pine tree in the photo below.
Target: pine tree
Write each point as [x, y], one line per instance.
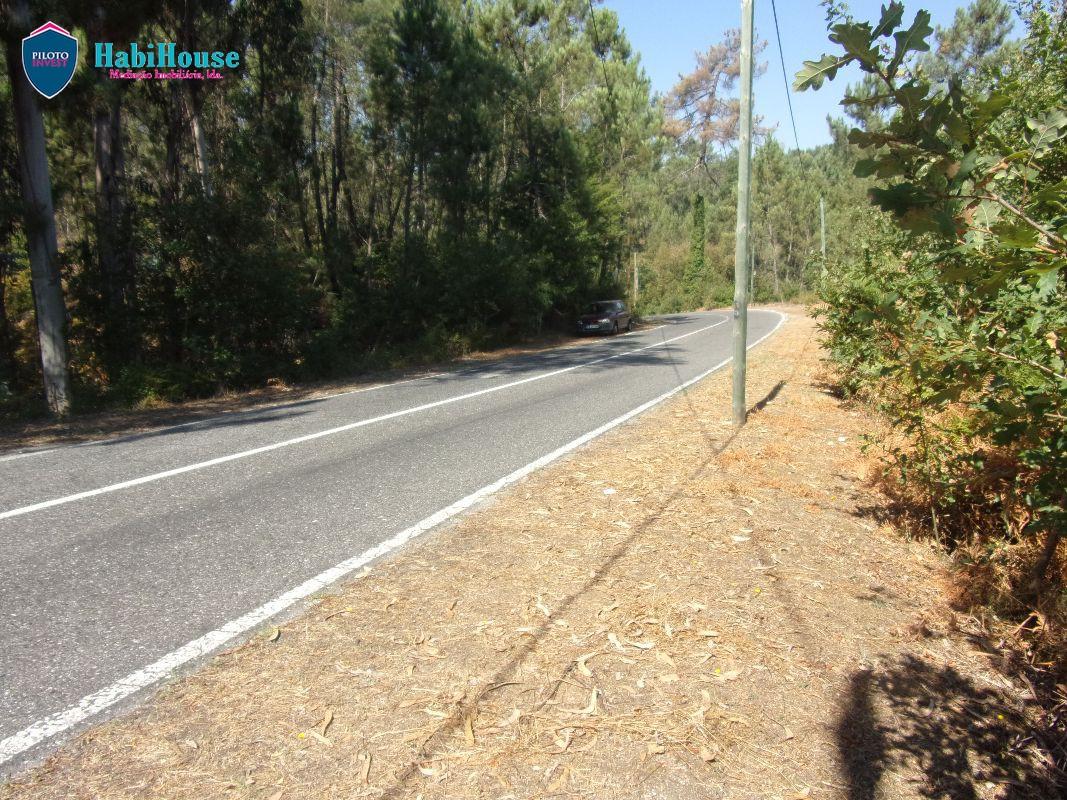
[975, 41]
[696, 275]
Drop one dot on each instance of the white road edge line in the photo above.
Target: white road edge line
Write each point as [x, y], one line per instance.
[27, 454]
[170, 473]
[99, 701]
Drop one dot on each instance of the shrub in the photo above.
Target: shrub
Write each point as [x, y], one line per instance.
[956, 318]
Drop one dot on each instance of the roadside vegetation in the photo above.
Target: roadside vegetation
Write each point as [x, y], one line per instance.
[954, 321]
[380, 182]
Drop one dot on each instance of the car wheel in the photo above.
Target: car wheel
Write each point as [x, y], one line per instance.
[630, 324]
[615, 328]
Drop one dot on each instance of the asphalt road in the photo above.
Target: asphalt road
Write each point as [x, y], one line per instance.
[116, 554]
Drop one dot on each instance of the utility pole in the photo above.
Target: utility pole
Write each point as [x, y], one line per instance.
[744, 174]
[822, 225]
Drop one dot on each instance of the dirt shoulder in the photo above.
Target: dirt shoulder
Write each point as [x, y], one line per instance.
[674, 611]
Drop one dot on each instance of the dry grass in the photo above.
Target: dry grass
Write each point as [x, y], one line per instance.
[708, 616]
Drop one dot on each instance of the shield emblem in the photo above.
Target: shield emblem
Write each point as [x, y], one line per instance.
[49, 57]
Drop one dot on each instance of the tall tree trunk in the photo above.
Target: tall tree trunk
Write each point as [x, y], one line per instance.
[408, 188]
[316, 173]
[112, 225]
[342, 161]
[301, 206]
[194, 102]
[170, 193]
[337, 167]
[7, 340]
[1037, 583]
[171, 185]
[316, 165]
[200, 148]
[112, 230]
[372, 209]
[40, 219]
[355, 229]
[325, 231]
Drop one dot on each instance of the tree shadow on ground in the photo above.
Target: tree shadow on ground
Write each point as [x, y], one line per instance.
[931, 720]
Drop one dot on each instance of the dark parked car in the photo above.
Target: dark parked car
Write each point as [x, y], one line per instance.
[605, 316]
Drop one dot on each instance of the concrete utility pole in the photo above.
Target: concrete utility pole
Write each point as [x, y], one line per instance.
[822, 225]
[744, 175]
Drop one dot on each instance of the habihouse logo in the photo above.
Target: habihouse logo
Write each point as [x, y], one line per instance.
[163, 61]
[49, 56]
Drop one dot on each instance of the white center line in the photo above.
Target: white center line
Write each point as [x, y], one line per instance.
[212, 462]
[256, 409]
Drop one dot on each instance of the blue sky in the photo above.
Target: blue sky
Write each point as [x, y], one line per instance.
[667, 33]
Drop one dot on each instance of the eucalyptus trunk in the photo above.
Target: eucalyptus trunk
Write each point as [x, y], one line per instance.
[112, 224]
[200, 146]
[40, 220]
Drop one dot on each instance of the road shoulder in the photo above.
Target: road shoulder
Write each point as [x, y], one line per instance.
[673, 611]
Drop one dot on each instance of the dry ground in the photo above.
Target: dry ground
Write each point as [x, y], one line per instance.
[671, 612]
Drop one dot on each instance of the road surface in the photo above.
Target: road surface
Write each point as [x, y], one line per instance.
[125, 560]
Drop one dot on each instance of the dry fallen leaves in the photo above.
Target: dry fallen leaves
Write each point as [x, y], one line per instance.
[326, 722]
[581, 662]
[665, 658]
[590, 709]
[561, 780]
[468, 730]
[729, 675]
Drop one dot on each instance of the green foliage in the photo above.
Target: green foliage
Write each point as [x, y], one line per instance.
[956, 317]
[977, 41]
[695, 275]
[384, 181]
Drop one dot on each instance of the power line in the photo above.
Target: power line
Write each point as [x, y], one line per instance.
[785, 76]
